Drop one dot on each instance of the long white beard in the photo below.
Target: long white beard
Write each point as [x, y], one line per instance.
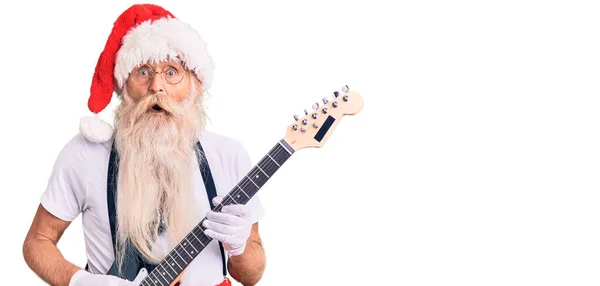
[155, 171]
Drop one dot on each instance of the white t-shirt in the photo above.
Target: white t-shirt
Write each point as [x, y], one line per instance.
[78, 181]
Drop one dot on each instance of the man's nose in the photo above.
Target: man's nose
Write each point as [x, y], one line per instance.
[157, 83]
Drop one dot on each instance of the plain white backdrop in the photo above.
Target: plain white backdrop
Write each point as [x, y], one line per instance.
[475, 160]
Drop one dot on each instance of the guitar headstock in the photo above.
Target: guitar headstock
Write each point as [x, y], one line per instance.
[316, 126]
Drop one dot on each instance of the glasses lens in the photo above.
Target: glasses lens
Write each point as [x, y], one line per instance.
[142, 74]
[173, 73]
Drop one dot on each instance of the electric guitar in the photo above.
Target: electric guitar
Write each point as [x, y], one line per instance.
[311, 130]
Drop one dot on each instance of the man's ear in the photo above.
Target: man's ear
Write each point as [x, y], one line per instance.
[197, 86]
[116, 88]
[197, 82]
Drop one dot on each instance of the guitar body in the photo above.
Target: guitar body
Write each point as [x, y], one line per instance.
[143, 273]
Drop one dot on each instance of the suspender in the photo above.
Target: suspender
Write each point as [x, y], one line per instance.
[211, 191]
[133, 261]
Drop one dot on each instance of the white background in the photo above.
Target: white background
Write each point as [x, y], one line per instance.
[475, 160]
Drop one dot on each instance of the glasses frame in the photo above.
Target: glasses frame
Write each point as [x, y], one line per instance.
[153, 72]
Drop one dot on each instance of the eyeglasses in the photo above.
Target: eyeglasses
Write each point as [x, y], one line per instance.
[173, 74]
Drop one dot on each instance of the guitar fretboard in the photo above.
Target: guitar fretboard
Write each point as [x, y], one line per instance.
[191, 245]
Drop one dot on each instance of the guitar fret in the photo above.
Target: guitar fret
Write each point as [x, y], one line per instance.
[249, 187]
[170, 265]
[197, 238]
[262, 171]
[240, 199]
[198, 232]
[165, 271]
[162, 275]
[232, 198]
[258, 179]
[247, 196]
[268, 166]
[281, 155]
[152, 279]
[274, 160]
[188, 253]
[175, 260]
[182, 259]
[149, 278]
[191, 244]
[252, 182]
[157, 280]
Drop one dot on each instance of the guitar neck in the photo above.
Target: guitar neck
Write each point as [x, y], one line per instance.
[167, 271]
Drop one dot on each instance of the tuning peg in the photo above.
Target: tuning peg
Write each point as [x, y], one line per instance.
[345, 88]
[296, 117]
[315, 105]
[336, 94]
[325, 100]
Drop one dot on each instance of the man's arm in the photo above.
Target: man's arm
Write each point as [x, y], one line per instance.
[41, 253]
[249, 267]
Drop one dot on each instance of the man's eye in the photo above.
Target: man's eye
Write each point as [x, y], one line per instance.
[143, 72]
[171, 72]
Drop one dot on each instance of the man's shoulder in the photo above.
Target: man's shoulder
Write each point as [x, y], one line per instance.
[81, 149]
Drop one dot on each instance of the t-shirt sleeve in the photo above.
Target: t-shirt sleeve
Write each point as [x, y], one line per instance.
[64, 196]
[243, 165]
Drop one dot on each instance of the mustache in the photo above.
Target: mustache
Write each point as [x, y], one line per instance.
[158, 101]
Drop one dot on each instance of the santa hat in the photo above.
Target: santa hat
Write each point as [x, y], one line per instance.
[143, 33]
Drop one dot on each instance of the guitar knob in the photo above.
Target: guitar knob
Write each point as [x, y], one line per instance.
[315, 125]
[303, 129]
[315, 105]
[345, 98]
[345, 88]
[314, 115]
[304, 121]
[295, 127]
[325, 100]
[334, 104]
[296, 117]
[336, 94]
[325, 110]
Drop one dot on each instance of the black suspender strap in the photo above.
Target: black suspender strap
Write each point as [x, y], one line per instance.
[211, 191]
[133, 262]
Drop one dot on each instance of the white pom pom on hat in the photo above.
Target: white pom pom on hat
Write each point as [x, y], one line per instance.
[143, 33]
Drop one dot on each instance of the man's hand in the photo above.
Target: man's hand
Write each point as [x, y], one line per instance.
[84, 278]
[231, 226]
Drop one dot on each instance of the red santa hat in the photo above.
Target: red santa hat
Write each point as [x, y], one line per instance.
[143, 33]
